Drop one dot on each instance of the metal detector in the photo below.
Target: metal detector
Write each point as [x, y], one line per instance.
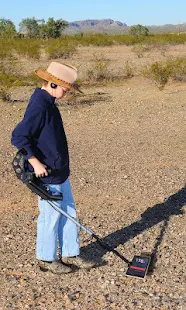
[137, 268]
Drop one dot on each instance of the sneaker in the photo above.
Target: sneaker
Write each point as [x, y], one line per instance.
[55, 267]
[78, 262]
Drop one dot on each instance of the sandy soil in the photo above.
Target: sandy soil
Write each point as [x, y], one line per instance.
[128, 170]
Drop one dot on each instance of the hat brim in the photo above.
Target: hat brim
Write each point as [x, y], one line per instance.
[46, 76]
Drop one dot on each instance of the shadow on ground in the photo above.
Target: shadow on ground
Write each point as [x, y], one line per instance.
[152, 216]
[85, 99]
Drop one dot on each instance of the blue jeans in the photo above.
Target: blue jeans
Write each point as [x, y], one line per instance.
[53, 227]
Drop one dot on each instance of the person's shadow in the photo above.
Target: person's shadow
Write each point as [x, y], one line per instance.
[152, 216]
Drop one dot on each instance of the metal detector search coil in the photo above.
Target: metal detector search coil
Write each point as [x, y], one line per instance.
[139, 266]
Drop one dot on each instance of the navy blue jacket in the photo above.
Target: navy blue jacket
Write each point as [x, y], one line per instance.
[41, 134]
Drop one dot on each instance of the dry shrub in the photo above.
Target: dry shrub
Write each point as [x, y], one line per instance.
[10, 77]
[162, 48]
[179, 69]
[128, 70]
[99, 70]
[7, 81]
[140, 50]
[158, 72]
[4, 93]
[161, 72]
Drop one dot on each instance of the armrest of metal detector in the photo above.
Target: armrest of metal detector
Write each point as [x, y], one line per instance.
[43, 193]
[39, 190]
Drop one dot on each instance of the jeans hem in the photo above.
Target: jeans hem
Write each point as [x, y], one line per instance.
[46, 259]
[70, 255]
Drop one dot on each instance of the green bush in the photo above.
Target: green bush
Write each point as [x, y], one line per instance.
[30, 48]
[179, 67]
[138, 30]
[96, 40]
[59, 48]
[32, 80]
[10, 77]
[163, 39]
[5, 49]
[8, 80]
[65, 46]
[161, 72]
[7, 28]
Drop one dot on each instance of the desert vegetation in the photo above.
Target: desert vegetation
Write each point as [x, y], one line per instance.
[38, 40]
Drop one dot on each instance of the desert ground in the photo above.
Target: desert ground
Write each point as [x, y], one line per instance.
[128, 173]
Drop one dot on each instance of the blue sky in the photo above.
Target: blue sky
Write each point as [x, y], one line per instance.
[145, 12]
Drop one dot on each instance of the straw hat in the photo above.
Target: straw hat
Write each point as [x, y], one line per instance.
[59, 74]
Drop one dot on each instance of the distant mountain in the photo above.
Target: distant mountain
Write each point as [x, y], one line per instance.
[95, 25]
[111, 26]
[168, 28]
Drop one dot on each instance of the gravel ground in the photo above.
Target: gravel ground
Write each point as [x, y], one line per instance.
[127, 145]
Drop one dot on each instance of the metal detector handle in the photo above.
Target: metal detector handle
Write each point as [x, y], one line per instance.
[43, 193]
[32, 174]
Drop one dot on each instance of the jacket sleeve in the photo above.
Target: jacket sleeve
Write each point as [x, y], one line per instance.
[27, 129]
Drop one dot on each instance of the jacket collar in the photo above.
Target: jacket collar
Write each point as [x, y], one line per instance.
[47, 97]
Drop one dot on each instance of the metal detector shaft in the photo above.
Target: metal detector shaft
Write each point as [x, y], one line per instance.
[90, 232]
[70, 218]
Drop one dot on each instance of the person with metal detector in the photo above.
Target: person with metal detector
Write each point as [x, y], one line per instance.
[41, 138]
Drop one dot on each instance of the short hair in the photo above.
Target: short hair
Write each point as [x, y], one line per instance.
[45, 83]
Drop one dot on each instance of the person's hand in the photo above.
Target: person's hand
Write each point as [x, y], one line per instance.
[39, 168]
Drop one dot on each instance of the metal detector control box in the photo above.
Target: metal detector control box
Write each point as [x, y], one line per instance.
[139, 266]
